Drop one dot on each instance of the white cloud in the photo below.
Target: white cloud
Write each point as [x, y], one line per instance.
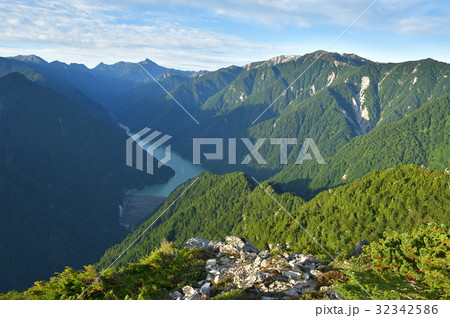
[384, 14]
[57, 30]
[273, 14]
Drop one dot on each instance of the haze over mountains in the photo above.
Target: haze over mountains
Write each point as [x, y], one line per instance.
[62, 154]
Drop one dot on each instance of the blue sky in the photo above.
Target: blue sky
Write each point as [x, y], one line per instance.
[194, 35]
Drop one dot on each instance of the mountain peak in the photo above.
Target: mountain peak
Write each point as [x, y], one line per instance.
[273, 61]
[30, 59]
[149, 62]
[337, 58]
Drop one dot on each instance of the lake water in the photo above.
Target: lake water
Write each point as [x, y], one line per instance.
[184, 170]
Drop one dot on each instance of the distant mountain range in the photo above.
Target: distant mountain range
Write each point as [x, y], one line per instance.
[102, 84]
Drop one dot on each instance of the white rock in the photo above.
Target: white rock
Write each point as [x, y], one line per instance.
[196, 242]
[241, 244]
[257, 261]
[294, 276]
[214, 272]
[210, 263]
[265, 263]
[307, 259]
[190, 293]
[264, 254]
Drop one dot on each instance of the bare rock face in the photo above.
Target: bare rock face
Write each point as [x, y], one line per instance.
[239, 265]
[196, 242]
[236, 245]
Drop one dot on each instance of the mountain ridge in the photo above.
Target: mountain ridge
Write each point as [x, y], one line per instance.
[233, 204]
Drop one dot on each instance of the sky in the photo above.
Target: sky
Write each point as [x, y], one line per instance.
[207, 35]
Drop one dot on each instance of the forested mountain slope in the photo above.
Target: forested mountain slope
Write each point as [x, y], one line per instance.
[333, 99]
[216, 206]
[422, 138]
[72, 159]
[42, 231]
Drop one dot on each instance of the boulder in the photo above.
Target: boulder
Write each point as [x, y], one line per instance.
[334, 295]
[196, 242]
[245, 257]
[190, 293]
[265, 262]
[359, 248]
[214, 271]
[176, 295]
[305, 286]
[294, 265]
[257, 261]
[211, 263]
[264, 254]
[254, 278]
[215, 245]
[292, 276]
[206, 289]
[292, 292]
[217, 279]
[229, 249]
[241, 244]
[306, 259]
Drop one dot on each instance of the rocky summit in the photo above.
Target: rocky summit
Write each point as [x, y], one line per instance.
[237, 265]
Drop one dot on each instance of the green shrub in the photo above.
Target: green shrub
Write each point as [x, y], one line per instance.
[422, 255]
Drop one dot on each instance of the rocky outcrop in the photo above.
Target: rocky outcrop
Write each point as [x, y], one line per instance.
[359, 248]
[238, 265]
